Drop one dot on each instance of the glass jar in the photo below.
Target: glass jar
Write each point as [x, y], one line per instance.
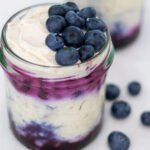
[54, 107]
[124, 18]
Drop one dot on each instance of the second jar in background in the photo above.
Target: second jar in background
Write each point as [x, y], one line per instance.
[123, 18]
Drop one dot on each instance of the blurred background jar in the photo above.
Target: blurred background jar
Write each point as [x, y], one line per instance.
[124, 18]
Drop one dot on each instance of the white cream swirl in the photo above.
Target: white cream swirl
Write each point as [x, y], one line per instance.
[26, 37]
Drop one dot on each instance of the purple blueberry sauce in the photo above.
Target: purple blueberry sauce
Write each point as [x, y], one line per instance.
[120, 41]
[41, 137]
[57, 90]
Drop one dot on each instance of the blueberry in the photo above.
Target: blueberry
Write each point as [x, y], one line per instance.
[86, 52]
[145, 118]
[112, 92]
[71, 6]
[73, 36]
[88, 12]
[57, 10]
[134, 88]
[95, 38]
[120, 110]
[56, 24]
[73, 19]
[67, 57]
[54, 42]
[118, 141]
[95, 23]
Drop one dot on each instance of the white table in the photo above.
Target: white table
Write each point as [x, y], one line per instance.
[131, 63]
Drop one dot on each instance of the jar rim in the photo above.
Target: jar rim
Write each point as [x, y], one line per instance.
[10, 51]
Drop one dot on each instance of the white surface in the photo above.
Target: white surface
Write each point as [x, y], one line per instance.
[130, 64]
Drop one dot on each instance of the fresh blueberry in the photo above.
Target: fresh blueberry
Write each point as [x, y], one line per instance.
[73, 36]
[57, 10]
[95, 38]
[67, 57]
[134, 88]
[145, 118]
[73, 19]
[54, 42]
[86, 52]
[118, 141]
[71, 6]
[120, 110]
[95, 23]
[88, 12]
[112, 92]
[55, 24]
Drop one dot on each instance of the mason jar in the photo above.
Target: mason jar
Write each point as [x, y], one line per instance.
[124, 18]
[54, 107]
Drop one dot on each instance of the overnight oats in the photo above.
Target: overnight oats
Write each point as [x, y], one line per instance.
[56, 59]
[124, 18]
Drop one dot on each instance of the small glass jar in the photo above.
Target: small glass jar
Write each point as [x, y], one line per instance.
[54, 107]
[124, 18]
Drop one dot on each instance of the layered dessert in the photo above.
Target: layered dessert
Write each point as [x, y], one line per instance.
[57, 57]
[123, 18]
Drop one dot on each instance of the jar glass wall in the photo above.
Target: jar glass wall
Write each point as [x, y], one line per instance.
[54, 107]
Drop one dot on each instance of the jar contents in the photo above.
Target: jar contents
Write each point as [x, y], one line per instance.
[56, 72]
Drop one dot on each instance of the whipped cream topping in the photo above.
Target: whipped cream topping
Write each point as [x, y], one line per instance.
[26, 37]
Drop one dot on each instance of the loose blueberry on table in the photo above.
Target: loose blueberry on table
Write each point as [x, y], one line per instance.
[112, 92]
[118, 141]
[134, 88]
[120, 110]
[145, 118]
[75, 35]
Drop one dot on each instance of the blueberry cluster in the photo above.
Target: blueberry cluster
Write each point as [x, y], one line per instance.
[112, 92]
[121, 110]
[75, 34]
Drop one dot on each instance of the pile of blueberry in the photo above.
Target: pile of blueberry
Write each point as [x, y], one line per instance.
[121, 110]
[74, 34]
